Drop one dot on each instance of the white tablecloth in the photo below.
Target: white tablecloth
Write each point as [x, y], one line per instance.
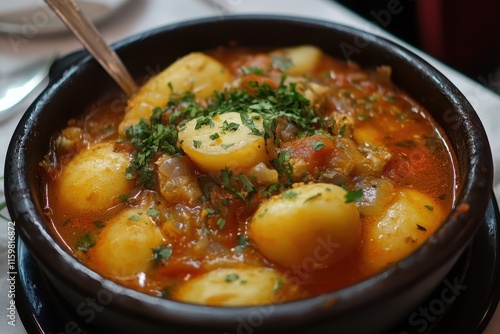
[138, 16]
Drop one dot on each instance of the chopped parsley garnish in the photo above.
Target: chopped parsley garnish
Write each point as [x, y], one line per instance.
[161, 254]
[153, 138]
[318, 145]
[149, 139]
[243, 242]
[214, 136]
[290, 194]
[226, 146]
[135, 218]
[85, 242]
[354, 196]
[312, 197]
[252, 70]
[211, 212]
[152, 212]
[429, 207]
[232, 277]
[123, 197]
[283, 166]
[248, 186]
[234, 183]
[271, 188]
[197, 143]
[270, 103]
[205, 120]
[226, 176]
[278, 285]
[229, 126]
[341, 131]
[221, 222]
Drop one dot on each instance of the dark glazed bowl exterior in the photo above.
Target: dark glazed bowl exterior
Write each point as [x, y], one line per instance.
[373, 305]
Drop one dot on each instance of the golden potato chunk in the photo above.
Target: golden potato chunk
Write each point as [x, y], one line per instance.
[224, 142]
[303, 58]
[402, 228]
[125, 246]
[94, 179]
[307, 222]
[231, 287]
[195, 72]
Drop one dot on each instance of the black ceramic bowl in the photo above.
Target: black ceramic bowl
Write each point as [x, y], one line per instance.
[373, 305]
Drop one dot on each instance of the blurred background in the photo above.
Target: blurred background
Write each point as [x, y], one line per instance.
[464, 34]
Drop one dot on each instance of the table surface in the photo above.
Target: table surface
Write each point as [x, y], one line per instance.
[134, 17]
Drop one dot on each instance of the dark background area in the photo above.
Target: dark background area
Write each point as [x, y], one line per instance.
[464, 34]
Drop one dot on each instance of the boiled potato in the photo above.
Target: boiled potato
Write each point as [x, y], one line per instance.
[236, 148]
[304, 58]
[405, 225]
[308, 222]
[231, 287]
[94, 179]
[125, 246]
[194, 72]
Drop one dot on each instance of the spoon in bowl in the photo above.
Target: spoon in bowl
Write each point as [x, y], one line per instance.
[92, 40]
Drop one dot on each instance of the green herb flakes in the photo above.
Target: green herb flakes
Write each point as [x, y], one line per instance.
[342, 130]
[149, 139]
[243, 242]
[85, 242]
[232, 277]
[318, 145]
[135, 218]
[354, 196]
[161, 254]
[203, 121]
[278, 285]
[221, 222]
[211, 212]
[123, 197]
[252, 70]
[228, 127]
[312, 197]
[214, 136]
[290, 194]
[429, 207]
[152, 212]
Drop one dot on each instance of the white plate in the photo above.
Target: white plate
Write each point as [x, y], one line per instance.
[32, 17]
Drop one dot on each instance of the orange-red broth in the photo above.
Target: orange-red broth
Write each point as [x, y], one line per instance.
[382, 116]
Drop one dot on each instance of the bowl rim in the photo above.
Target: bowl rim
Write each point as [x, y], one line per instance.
[453, 235]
